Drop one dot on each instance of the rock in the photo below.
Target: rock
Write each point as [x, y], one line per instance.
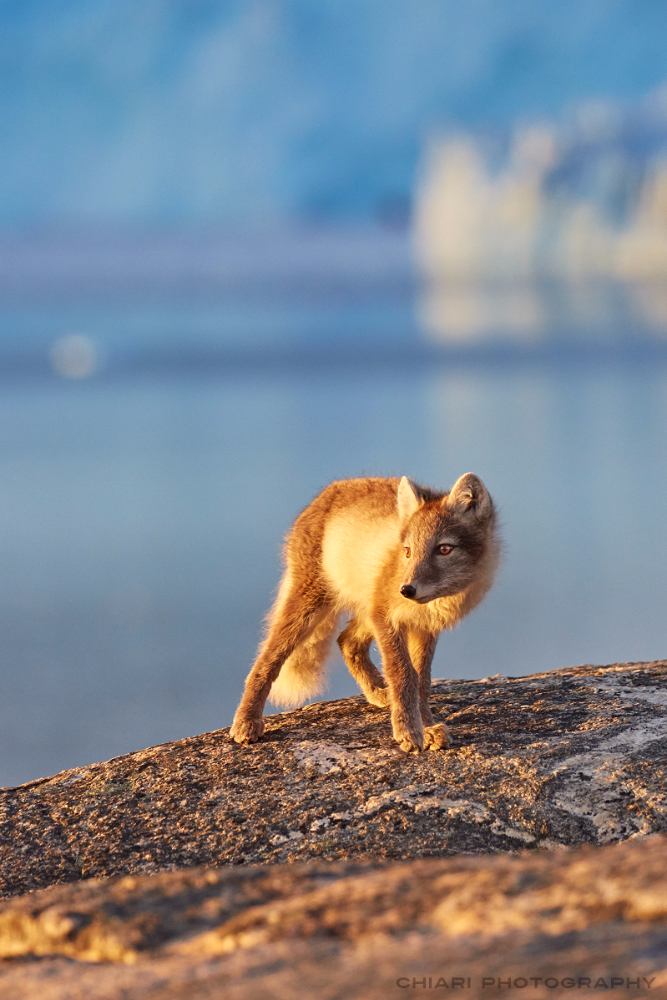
[558, 922]
[571, 757]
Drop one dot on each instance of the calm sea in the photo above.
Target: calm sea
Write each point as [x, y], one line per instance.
[142, 510]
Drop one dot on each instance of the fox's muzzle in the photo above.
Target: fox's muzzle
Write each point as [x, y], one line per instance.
[407, 590]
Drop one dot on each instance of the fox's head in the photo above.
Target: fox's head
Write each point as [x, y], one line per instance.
[448, 542]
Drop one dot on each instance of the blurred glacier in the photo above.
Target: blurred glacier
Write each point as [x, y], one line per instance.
[561, 223]
[175, 110]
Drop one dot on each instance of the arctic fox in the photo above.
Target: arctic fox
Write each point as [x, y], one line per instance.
[406, 562]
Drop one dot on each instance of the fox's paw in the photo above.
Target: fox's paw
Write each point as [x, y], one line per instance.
[378, 696]
[409, 740]
[246, 730]
[437, 737]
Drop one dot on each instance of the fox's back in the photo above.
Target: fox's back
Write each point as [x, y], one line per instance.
[349, 531]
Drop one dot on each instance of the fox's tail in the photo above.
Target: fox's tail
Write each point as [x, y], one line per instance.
[303, 674]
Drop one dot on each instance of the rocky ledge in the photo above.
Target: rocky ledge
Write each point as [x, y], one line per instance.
[568, 758]
[575, 756]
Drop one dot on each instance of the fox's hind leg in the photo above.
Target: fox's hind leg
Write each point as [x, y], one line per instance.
[294, 618]
[422, 647]
[355, 641]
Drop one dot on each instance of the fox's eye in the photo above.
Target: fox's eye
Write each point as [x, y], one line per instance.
[406, 549]
[444, 550]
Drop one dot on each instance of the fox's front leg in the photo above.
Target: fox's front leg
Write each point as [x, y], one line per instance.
[403, 685]
[422, 647]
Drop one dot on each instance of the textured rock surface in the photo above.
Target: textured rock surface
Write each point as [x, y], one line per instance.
[574, 757]
[553, 922]
[570, 757]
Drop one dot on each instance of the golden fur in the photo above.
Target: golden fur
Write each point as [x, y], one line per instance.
[405, 562]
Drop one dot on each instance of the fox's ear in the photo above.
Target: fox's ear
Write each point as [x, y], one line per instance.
[409, 499]
[469, 494]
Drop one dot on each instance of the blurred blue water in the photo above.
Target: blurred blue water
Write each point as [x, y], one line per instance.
[141, 515]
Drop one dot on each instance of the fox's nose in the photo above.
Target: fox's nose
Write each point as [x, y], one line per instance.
[408, 590]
